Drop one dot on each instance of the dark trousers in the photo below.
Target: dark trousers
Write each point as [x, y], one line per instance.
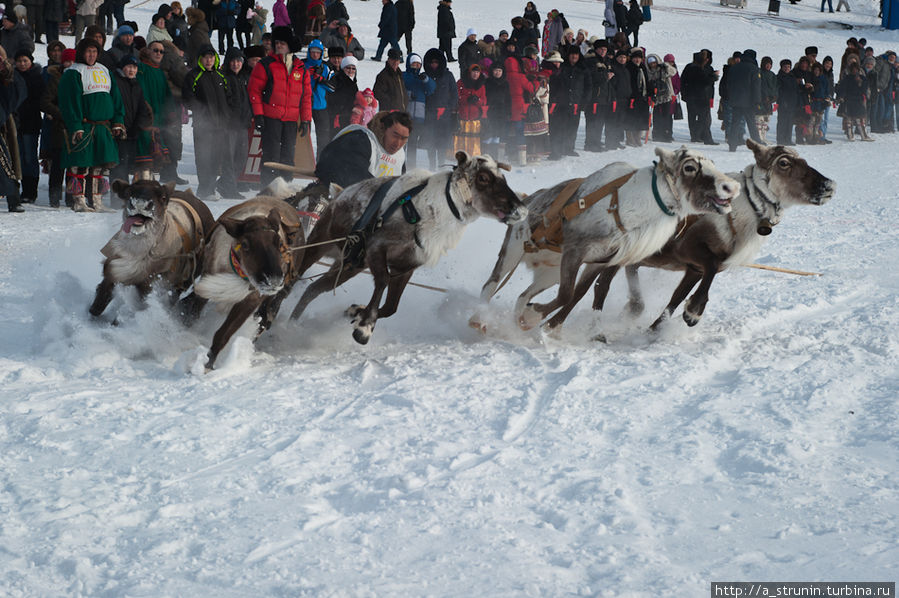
[662, 122]
[323, 131]
[209, 156]
[394, 44]
[699, 119]
[127, 154]
[446, 46]
[238, 146]
[408, 36]
[279, 141]
[785, 125]
[36, 19]
[740, 115]
[171, 137]
[52, 29]
[596, 121]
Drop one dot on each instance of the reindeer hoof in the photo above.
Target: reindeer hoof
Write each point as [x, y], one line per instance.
[600, 338]
[635, 308]
[475, 323]
[691, 319]
[362, 334]
[529, 317]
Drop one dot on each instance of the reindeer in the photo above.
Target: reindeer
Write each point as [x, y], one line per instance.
[435, 208]
[710, 243]
[252, 254]
[642, 213]
[163, 236]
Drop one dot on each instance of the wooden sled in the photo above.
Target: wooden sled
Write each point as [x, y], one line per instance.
[303, 159]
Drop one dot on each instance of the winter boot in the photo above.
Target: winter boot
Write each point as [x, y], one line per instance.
[848, 127]
[29, 189]
[55, 196]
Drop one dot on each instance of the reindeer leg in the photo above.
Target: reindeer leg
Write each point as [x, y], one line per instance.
[102, 297]
[583, 285]
[364, 318]
[510, 255]
[691, 277]
[190, 307]
[544, 278]
[236, 317]
[395, 289]
[696, 304]
[571, 263]
[634, 297]
[322, 285]
[601, 288]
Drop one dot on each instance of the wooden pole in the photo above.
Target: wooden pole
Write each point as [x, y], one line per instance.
[783, 270]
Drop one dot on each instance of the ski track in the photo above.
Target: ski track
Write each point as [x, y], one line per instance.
[760, 444]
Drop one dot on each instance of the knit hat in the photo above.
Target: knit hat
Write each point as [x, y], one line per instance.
[68, 55]
[368, 92]
[348, 61]
[126, 60]
[669, 58]
[489, 39]
[124, 30]
[10, 16]
[503, 32]
[530, 52]
[471, 31]
[554, 57]
[413, 58]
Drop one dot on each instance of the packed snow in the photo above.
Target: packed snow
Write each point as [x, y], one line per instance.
[762, 444]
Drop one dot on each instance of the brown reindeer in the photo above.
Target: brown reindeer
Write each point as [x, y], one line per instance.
[710, 243]
[445, 204]
[252, 254]
[162, 237]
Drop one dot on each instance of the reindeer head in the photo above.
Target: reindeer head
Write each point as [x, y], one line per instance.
[145, 204]
[788, 178]
[485, 188]
[697, 180]
[261, 248]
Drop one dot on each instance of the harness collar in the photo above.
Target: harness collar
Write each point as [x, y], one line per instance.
[655, 190]
[449, 199]
[765, 222]
[235, 265]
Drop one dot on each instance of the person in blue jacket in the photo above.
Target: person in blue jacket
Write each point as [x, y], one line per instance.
[418, 87]
[320, 75]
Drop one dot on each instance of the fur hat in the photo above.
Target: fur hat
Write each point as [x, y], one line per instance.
[348, 61]
[554, 57]
[284, 34]
[336, 51]
[194, 15]
[517, 21]
[255, 52]
[811, 50]
[489, 39]
[23, 52]
[636, 52]
[10, 16]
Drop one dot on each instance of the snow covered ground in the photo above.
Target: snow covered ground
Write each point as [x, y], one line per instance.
[759, 445]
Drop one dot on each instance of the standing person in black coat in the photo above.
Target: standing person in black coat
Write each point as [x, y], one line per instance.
[446, 28]
[29, 124]
[469, 52]
[744, 96]
[337, 10]
[569, 91]
[787, 102]
[440, 107]
[523, 35]
[387, 29]
[599, 103]
[496, 125]
[205, 92]
[405, 21]
[12, 94]
[697, 84]
[634, 20]
[620, 91]
[532, 16]
[637, 114]
[238, 124]
[296, 10]
[343, 98]
[137, 117]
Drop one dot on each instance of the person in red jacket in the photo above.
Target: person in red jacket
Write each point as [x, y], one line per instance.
[281, 96]
[521, 91]
[472, 108]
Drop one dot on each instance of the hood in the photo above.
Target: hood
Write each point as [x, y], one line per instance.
[206, 49]
[409, 62]
[320, 46]
[431, 55]
[749, 56]
[512, 65]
